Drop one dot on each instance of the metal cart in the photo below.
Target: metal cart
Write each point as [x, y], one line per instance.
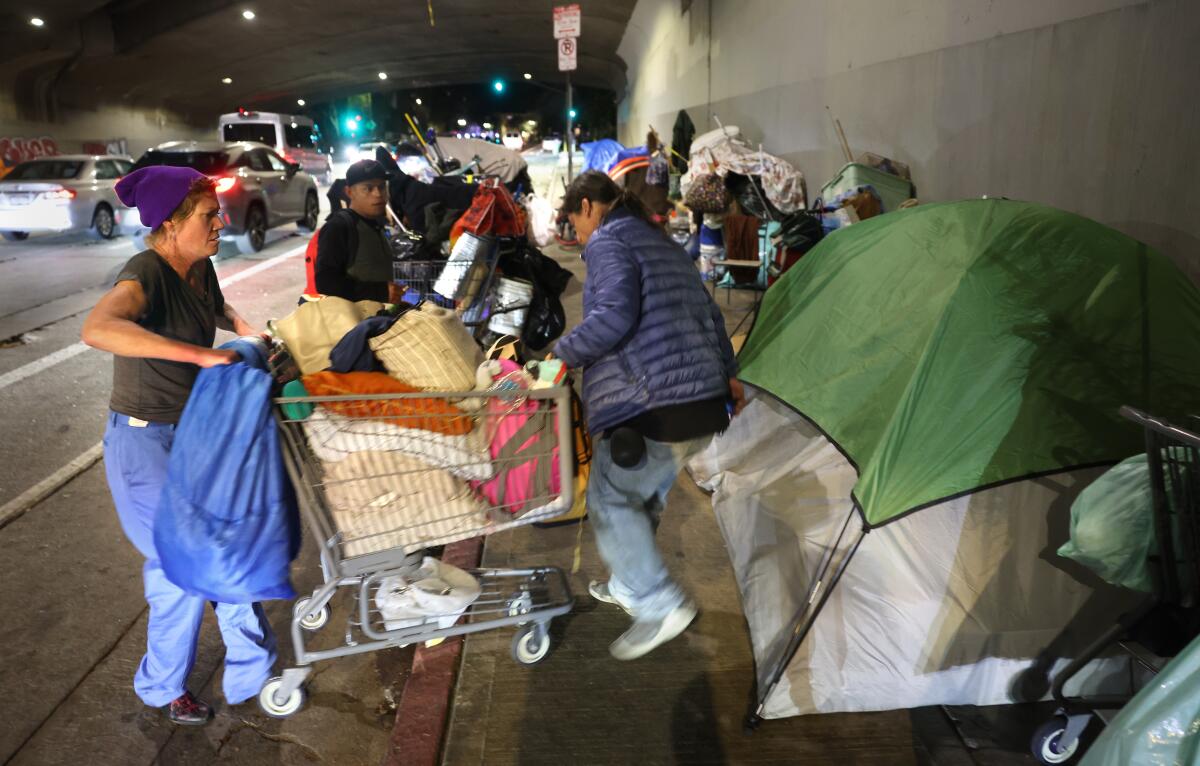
[381, 478]
[1173, 456]
[477, 280]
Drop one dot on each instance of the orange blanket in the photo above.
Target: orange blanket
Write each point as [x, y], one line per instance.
[428, 413]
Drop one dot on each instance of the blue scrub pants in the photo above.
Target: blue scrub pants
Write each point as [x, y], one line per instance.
[135, 460]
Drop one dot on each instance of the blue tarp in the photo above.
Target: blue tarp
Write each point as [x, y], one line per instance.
[227, 526]
[600, 155]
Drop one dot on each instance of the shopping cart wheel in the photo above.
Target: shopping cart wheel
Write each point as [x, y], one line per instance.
[311, 623]
[1047, 742]
[267, 703]
[531, 644]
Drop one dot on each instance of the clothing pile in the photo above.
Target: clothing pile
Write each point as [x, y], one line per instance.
[400, 469]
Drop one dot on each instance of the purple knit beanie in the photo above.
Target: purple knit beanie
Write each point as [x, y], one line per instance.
[156, 191]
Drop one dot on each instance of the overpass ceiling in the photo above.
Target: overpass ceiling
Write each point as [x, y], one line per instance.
[175, 53]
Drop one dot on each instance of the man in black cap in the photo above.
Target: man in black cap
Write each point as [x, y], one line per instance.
[354, 259]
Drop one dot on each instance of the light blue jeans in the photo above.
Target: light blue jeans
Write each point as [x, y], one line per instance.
[135, 461]
[624, 505]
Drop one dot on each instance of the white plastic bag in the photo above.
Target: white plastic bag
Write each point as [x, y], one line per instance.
[540, 224]
[436, 594]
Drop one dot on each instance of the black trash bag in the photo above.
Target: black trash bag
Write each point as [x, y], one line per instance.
[749, 193]
[799, 231]
[546, 319]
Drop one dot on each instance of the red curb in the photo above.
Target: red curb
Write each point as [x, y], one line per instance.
[424, 707]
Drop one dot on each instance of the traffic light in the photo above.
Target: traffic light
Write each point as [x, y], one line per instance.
[573, 114]
[498, 86]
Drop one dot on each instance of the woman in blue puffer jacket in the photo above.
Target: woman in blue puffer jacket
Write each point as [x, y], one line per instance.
[659, 376]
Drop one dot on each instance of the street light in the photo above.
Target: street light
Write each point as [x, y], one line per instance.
[419, 102]
[227, 80]
[35, 21]
[248, 15]
[528, 76]
[383, 75]
[299, 102]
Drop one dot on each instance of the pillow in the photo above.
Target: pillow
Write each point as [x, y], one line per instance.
[431, 349]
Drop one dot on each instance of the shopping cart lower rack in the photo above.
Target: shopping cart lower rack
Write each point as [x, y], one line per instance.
[382, 478]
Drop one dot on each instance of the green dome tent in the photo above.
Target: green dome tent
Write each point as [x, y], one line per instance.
[955, 347]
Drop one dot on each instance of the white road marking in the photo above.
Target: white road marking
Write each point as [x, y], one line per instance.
[63, 354]
[49, 485]
[37, 365]
[46, 487]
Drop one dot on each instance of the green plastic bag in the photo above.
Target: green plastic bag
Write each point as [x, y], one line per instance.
[1161, 725]
[1112, 526]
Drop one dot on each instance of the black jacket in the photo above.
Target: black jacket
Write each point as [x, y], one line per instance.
[337, 245]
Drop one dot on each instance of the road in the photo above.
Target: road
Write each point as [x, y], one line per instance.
[70, 584]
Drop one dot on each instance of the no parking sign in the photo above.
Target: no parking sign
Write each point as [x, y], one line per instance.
[568, 49]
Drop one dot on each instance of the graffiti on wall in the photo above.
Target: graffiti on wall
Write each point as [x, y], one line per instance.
[15, 149]
[107, 146]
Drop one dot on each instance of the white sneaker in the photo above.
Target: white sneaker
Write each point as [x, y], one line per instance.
[600, 592]
[642, 637]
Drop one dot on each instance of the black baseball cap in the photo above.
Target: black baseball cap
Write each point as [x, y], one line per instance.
[365, 170]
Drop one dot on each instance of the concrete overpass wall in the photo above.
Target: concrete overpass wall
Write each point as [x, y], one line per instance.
[1089, 105]
[134, 128]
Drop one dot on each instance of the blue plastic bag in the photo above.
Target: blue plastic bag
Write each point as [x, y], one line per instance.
[227, 526]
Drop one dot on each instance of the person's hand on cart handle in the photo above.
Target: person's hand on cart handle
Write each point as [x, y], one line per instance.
[737, 392]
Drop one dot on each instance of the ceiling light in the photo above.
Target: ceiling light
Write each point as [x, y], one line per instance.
[528, 76]
[419, 102]
[227, 80]
[383, 75]
[248, 15]
[462, 122]
[299, 102]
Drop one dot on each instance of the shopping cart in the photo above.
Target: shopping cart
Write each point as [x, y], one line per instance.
[1173, 456]
[382, 478]
[467, 285]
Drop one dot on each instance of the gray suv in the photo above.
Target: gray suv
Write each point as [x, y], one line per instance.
[68, 192]
[257, 188]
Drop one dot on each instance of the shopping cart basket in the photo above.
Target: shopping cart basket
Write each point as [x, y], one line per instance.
[466, 285]
[1173, 456]
[381, 478]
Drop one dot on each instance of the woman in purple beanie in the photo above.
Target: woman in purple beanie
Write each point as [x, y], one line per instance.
[159, 321]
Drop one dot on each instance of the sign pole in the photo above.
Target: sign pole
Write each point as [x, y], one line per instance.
[570, 133]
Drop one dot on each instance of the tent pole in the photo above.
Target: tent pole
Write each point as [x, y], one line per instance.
[799, 633]
[818, 577]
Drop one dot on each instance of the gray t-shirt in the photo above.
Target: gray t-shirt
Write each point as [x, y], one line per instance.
[156, 389]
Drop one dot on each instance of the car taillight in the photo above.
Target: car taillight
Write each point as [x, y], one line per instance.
[225, 183]
[60, 194]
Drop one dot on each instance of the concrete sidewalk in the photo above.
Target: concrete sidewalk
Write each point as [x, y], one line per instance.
[685, 702]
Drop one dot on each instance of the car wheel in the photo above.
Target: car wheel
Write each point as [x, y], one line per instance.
[15, 236]
[103, 224]
[256, 232]
[312, 209]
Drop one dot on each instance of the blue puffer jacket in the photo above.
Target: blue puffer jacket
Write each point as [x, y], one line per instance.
[651, 335]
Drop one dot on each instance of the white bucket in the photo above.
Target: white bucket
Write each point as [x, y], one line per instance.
[452, 282]
[511, 307]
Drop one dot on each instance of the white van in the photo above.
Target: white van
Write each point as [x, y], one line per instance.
[293, 136]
